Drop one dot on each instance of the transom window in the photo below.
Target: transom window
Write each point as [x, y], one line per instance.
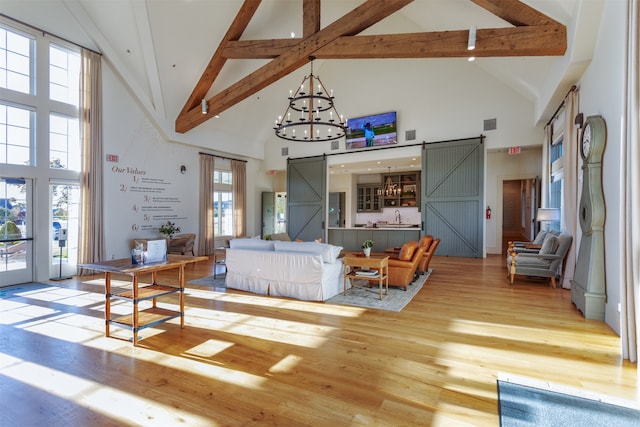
[16, 61]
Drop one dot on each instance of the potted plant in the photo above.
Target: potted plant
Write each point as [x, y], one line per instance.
[169, 229]
[366, 247]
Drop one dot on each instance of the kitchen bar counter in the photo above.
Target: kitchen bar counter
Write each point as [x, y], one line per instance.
[351, 238]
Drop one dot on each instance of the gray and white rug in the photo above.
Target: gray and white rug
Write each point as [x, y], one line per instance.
[214, 282]
[362, 295]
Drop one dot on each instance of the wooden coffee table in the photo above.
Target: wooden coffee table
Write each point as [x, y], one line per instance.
[353, 264]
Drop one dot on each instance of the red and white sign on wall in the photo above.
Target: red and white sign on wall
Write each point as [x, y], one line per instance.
[514, 150]
[112, 158]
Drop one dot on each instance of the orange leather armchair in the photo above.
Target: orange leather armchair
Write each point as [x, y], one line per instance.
[402, 270]
[428, 253]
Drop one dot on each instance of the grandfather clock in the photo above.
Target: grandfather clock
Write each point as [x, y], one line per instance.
[588, 291]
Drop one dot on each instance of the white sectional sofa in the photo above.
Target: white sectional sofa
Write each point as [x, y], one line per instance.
[302, 270]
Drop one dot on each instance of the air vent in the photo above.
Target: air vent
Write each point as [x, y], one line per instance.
[410, 135]
[490, 124]
[285, 151]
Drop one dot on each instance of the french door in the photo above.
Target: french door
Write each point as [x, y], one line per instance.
[16, 231]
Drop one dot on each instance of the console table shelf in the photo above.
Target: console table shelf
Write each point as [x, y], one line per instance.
[146, 318]
[140, 319]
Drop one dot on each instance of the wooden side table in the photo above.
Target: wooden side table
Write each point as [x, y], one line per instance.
[353, 264]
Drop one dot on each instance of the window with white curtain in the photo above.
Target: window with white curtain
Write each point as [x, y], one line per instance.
[556, 169]
[223, 203]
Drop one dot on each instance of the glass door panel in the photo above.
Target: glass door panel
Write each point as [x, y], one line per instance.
[16, 242]
[65, 214]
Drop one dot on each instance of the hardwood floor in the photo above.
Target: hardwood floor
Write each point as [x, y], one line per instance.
[244, 359]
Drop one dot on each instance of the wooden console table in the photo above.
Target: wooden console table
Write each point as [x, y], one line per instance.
[140, 319]
[353, 264]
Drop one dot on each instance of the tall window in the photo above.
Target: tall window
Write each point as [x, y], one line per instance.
[556, 165]
[64, 142]
[223, 203]
[47, 101]
[16, 61]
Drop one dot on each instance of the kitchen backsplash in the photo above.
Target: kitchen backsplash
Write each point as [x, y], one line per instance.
[407, 216]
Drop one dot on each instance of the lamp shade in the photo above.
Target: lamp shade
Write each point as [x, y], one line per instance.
[548, 214]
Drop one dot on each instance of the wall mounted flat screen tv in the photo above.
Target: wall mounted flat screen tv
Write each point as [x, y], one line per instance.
[372, 131]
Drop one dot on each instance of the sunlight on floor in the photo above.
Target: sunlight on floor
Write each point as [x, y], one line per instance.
[289, 304]
[131, 409]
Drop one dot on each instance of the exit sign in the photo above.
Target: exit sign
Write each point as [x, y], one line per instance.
[514, 150]
[112, 158]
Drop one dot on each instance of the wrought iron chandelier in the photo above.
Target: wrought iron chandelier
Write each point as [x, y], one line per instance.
[310, 116]
[390, 188]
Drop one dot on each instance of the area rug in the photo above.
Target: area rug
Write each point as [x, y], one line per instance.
[362, 295]
[522, 405]
[214, 282]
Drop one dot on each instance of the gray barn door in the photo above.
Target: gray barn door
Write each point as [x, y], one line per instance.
[453, 196]
[306, 198]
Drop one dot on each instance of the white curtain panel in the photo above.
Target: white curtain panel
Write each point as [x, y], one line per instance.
[631, 242]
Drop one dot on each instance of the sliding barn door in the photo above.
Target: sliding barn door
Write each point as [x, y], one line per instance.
[453, 196]
[306, 198]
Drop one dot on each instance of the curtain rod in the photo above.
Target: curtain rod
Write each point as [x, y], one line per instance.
[33, 27]
[553, 116]
[223, 157]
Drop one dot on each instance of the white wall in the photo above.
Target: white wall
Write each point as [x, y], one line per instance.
[602, 93]
[439, 109]
[147, 160]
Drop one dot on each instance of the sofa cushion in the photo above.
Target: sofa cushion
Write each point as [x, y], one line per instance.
[252, 244]
[282, 237]
[328, 252]
[550, 245]
[540, 238]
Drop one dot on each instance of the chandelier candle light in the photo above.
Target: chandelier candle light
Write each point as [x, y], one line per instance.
[310, 116]
[390, 188]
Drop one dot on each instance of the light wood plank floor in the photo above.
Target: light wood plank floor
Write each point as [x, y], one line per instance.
[244, 359]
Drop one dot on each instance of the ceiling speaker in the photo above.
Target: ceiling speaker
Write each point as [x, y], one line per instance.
[335, 145]
[285, 151]
[490, 124]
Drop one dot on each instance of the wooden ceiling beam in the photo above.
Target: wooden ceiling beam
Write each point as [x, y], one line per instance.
[239, 24]
[310, 17]
[515, 41]
[515, 12]
[352, 23]
[533, 34]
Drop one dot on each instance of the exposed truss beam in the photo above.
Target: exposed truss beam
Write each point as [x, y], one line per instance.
[359, 19]
[532, 34]
[516, 41]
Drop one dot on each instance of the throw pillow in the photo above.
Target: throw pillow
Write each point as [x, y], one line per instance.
[550, 245]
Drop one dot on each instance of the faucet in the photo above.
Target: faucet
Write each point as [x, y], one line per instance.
[398, 220]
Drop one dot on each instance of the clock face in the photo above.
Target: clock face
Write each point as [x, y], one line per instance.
[585, 147]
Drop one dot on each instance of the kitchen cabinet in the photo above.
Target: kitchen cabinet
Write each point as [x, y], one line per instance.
[405, 190]
[368, 198]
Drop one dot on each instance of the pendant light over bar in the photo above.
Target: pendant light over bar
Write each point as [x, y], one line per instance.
[310, 116]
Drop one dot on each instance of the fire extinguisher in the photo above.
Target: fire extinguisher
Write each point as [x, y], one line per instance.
[488, 212]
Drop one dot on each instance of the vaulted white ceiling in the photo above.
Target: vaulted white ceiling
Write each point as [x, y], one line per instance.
[161, 48]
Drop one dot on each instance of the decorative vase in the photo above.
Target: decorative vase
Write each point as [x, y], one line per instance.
[367, 252]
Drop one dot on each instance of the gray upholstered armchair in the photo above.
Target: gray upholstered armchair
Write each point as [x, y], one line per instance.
[548, 262]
